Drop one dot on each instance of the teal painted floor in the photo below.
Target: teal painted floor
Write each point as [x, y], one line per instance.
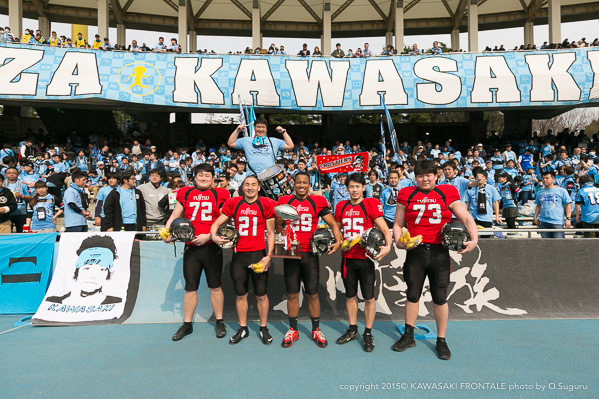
[490, 359]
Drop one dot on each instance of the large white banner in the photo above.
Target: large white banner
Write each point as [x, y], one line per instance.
[95, 281]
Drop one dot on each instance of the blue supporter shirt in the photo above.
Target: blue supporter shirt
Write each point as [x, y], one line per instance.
[526, 161]
[370, 189]
[260, 158]
[472, 198]
[546, 150]
[461, 184]
[389, 201]
[527, 182]
[498, 162]
[128, 205]
[552, 202]
[18, 187]
[102, 194]
[588, 199]
[511, 171]
[340, 193]
[44, 207]
[507, 198]
[72, 218]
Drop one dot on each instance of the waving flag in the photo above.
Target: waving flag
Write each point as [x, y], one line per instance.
[392, 134]
[384, 148]
[242, 115]
[251, 119]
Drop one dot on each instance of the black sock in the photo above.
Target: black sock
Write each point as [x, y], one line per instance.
[439, 339]
[353, 327]
[187, 323]
[219, 321]
[293, 323]
[263, 328]
[409, 330]
[368, 331]
[315, 323]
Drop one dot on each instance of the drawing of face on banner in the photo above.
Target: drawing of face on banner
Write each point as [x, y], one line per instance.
[91, 279]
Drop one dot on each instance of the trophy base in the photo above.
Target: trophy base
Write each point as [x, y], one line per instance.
[294, 251]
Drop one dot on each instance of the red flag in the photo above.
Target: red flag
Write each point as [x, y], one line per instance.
[346, 163]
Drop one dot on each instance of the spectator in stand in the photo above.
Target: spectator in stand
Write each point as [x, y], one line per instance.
[587, 206]
[390, 50]
[304, 52]
[80, 42]
[75, 208]
[358, 53]
[436, 49]
[483, 200]
[338, 53]
[106, 45]
[8, 206]
[174, 47]
[113, 181]
[316, 52]
[281, 51]
[161, 46]
[153, 191]
[27, 37]
[366, 50]
[43, 210]
[134, 48]
[21, 193]
[350, 54]
[69, 43]
[54, 40]
[415, 50]
[125, 208]
[553, 203]
[97, 43]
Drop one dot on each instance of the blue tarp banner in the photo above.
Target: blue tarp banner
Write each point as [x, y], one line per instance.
[218, 82]
[25, 269]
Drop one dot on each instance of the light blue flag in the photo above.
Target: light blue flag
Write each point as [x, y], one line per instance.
[392, 134]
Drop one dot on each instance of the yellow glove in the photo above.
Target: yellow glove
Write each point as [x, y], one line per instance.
[257, 267]
[350, 242]
[164, 232]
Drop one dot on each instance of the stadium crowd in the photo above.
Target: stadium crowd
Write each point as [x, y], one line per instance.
[49, 177]
[35, 37]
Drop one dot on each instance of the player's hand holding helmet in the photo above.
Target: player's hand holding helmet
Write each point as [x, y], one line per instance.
[226, 234]
[182, 230]
[454, 236]
[321, 240]
[372, 241]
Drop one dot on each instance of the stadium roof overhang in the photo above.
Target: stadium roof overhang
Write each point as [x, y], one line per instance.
[303, 18]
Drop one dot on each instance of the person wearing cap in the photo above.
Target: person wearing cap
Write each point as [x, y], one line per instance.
[304, 52]
[8, 204]
[261, 151]
[153, 191]
[93, 268]
[481, 151]
[339, 191]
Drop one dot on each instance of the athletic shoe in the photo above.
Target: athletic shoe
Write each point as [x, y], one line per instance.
[266, 337]
[368, 342]
[239, 335]
[182, 332]
[349, 335]
[290, 337]
[220, 329]
[406, 341]
[318, 337]
[443, 351]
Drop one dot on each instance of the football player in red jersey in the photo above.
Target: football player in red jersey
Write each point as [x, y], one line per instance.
[252, 215]
[424, 209]
[355, 216]
[201, 204]
[306, 269]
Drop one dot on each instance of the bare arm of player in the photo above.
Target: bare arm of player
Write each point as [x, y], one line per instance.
[400, 221]
[234, 135]
[496, 210]
[270, 243]
[330, 220]
[382, 225]
[222, 219]
[464, 216]
[288, 142]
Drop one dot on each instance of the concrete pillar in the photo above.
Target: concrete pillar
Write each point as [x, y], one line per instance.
[256, 29]
[183, 25]
[555, 21]
[43, 24]
[455, 39]
[472, 25]
[121, 34]
[389, 38]
[399, 27]
[529, 37]
[193, 41]
[15, 17]
[103, 19]
[325, 45]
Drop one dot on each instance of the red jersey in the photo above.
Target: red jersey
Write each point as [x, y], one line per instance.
[355, 219]
[202, 207]
[427, 213]
[250, 221]
[309, 209]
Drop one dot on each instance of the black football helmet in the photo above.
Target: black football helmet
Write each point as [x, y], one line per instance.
[229, 232]
[321, 240]
[182, 230]
[454, 236]
[372, 241]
